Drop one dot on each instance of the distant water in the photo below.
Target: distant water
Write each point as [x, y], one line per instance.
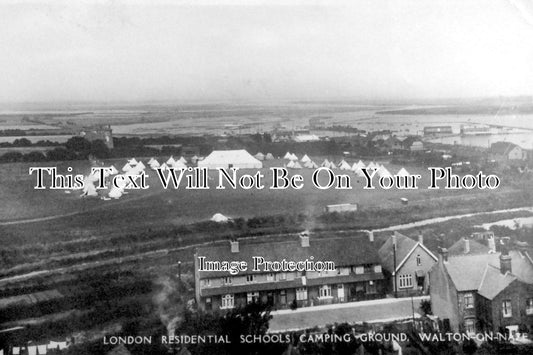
[524, 140]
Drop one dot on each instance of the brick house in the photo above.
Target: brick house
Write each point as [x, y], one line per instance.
[357, 274]
[483, 292]
[413, 261]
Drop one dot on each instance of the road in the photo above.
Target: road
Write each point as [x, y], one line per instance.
[388, 309]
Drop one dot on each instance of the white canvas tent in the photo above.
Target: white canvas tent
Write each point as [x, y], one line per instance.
[288, 156]
[325, 163]
[345, 166]
[154, 164]
[230, 158]
[126, 167]
[182, 160]
[219, 218]
[305, 159]
[151, 160]
[132, 161]
[89, 189]
[115, 192]
[269, 156]
[403, 172]
[179, 165]
[296, 165]
[113, 171]
[290, 164]
[383, 171]
[259, 156]
[170, 161]
[293, 157]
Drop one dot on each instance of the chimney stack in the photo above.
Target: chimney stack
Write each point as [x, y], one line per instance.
[234, 246]
[371, 236]
[304, 239]
[492, 245]
[421, 238]
[505, 259]
[444, 253]
[467, 245]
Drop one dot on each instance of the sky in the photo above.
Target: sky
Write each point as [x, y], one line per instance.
[264, 50]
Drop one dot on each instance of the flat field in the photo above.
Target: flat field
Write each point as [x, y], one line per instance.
[30, 215]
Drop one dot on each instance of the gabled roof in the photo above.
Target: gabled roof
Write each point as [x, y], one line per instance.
[494, 282]
[343, 251]
[458, 248]
[502, 148]
[405, 246]
[467, 271]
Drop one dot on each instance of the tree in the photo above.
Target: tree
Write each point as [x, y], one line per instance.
[99, 149]
[34, 156]
[78, 144]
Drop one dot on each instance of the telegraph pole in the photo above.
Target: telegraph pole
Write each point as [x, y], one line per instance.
[395, 276]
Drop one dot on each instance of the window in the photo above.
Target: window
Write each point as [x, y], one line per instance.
[282, 276]
[418, 260]
[249, 278]
[506, 309]
[377, 269]
[529, 306]
[228, 301]
[325, 291]
[406, 281]
[252, 297]
[469, 326]
[270, 277]
[208, 304]
[469, 300]
[301, 294]
[206, 282]
[359, 269]
[227, 280]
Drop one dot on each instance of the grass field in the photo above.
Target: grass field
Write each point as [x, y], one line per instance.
[157, 207]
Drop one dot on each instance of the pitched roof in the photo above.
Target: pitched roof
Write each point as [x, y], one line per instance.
[238, 158]
[494, 282]
[343, 251]
[502, 147]
[404, 245]
[467, 271]
[458, 248]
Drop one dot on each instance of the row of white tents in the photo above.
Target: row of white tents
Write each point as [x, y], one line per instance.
[306, 162]
[260, 156]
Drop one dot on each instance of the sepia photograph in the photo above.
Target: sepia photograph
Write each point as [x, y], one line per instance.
[284, 177]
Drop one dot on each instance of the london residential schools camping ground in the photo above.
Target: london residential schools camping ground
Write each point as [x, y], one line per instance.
[56, 214]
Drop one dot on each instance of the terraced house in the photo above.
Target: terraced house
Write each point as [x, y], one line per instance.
[356, 275]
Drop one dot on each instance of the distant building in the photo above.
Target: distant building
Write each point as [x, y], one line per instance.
[357, 275]
[393, 143]
[505, 151]
[413, 143]
[483, 292]
[343, 207]
[413, 261]
[438, 130]
[316, 123]
[102, 132]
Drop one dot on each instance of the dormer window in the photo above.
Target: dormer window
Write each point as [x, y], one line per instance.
[250, 278]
